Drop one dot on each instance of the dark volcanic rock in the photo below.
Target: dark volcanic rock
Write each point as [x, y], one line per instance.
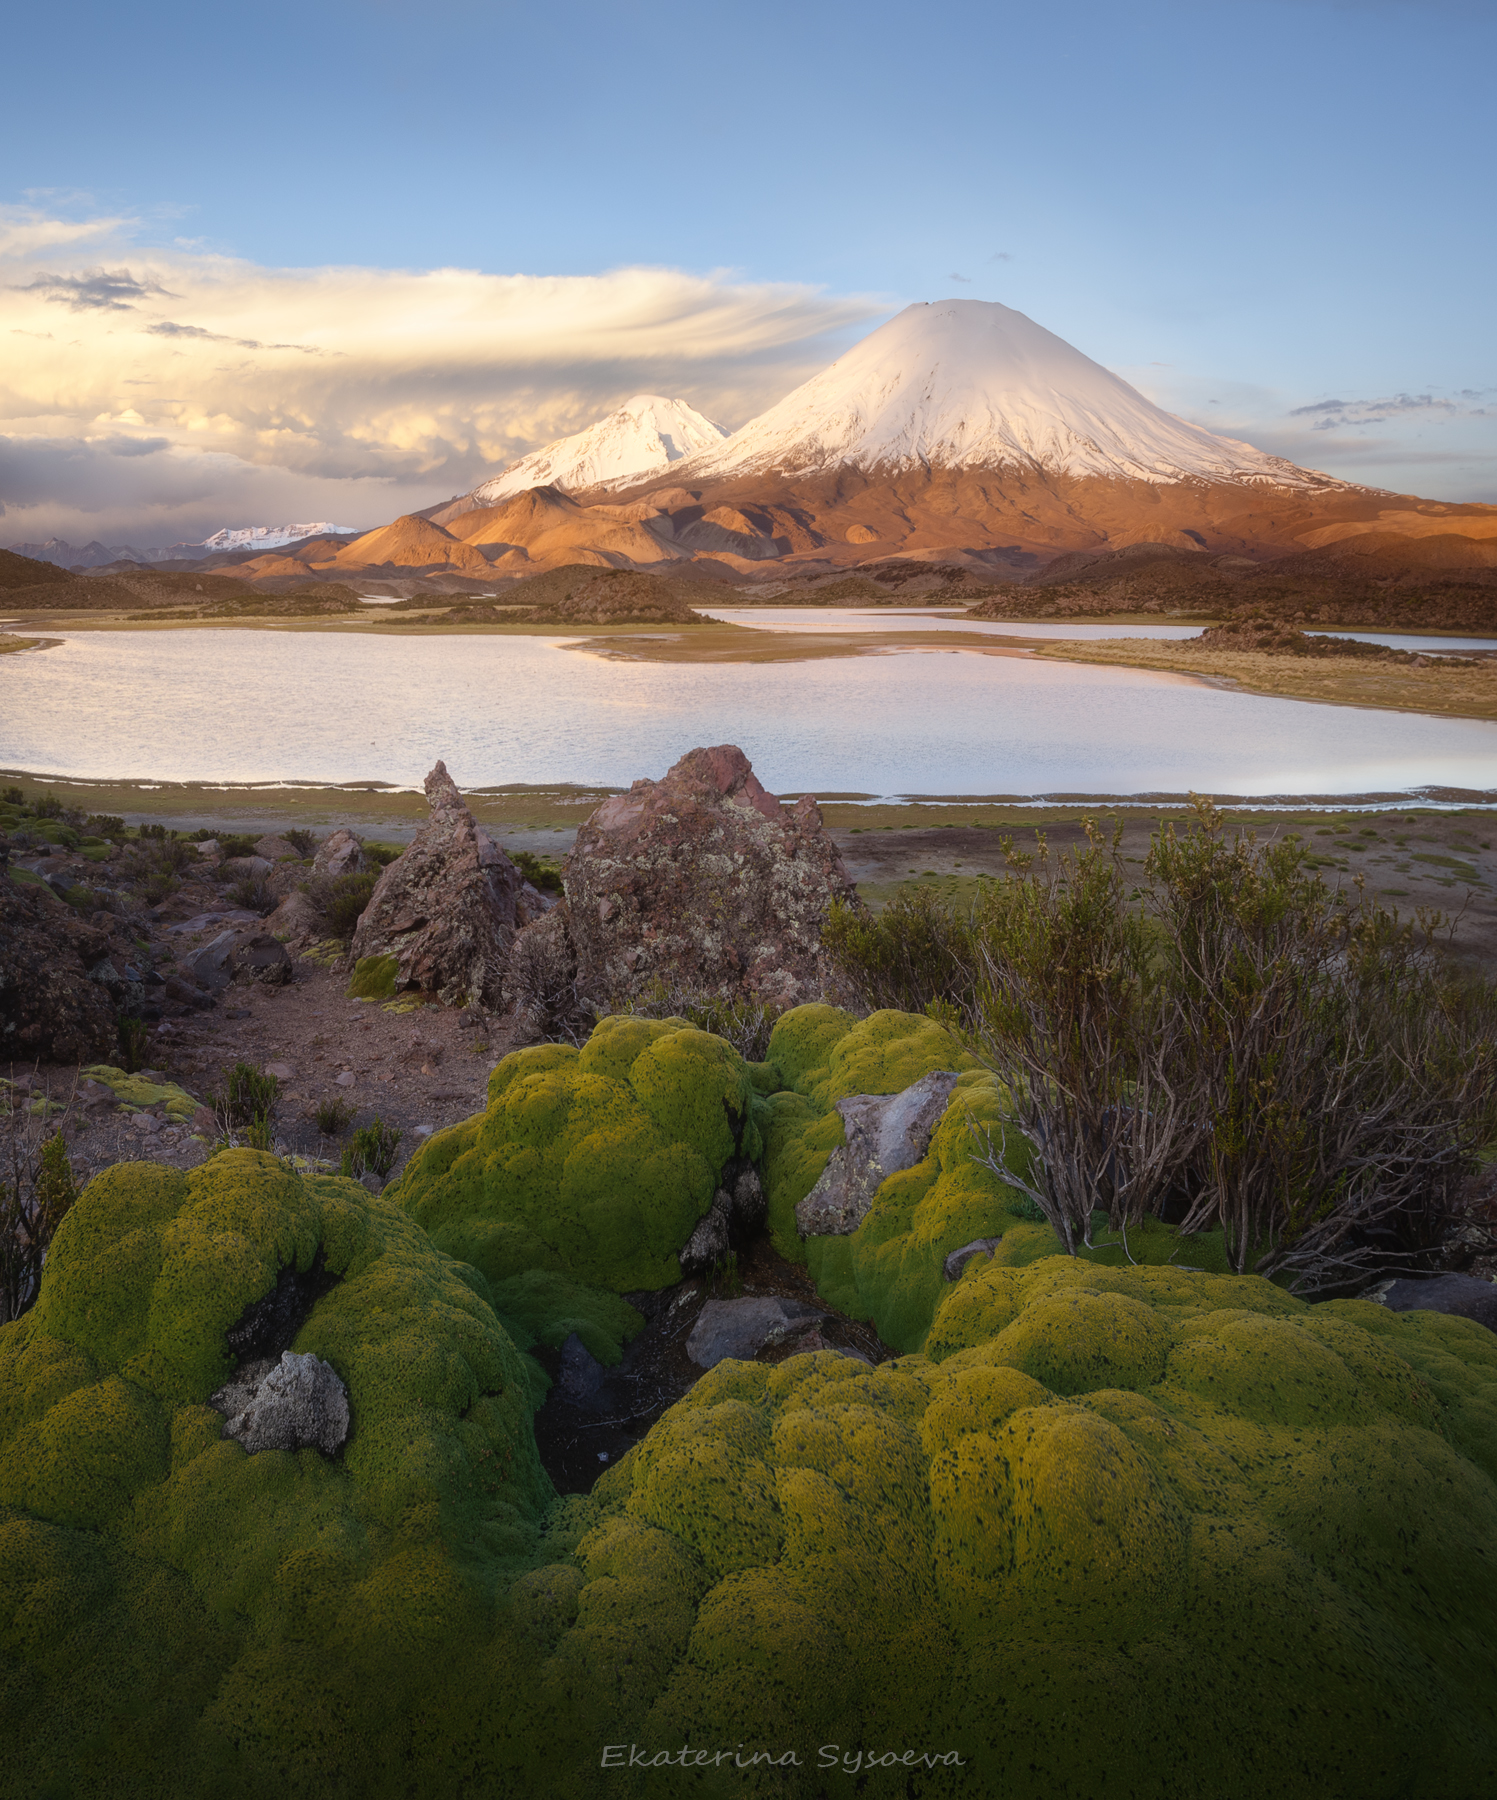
[742, 1328]
[885, 1133]
[705, 880]
[49, 1008]
[1467, 1296]
[445, 910]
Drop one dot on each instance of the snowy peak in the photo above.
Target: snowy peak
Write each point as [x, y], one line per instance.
[961, 384]
[646, 434]
[265, 537]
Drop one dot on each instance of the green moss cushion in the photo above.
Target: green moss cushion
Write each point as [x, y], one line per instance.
[1124, 1530]
[1121, 1530]
[164, 1596]
[596, 1163]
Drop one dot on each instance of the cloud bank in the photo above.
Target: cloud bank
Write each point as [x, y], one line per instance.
[166, 391]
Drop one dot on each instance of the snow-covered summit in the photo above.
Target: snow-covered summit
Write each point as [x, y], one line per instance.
[265, 537]
[646, 434]
[962, 384]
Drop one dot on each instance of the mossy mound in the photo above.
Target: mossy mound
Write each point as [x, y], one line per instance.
[594, 1163]
[1109, 1504]
[136, 1094]
[891, 1270]
[373, 977]
[1147, 1500]
[177, 1616]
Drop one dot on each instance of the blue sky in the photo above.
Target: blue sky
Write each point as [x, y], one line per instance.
[1252, 211]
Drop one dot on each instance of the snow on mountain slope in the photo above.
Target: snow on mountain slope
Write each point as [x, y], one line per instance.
[264, 537]
[963, 384]
[646, 434]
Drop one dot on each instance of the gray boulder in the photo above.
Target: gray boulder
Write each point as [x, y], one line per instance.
[581, 1374]
[340, 853]
[294, 1404]
[742, 1328]
[244, 954]
[1467, 1296]
[445, 910]
[884, 1134]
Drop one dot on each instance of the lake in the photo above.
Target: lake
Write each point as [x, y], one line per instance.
[268, 706]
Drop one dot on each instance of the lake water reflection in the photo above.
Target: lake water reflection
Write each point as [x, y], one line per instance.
[337, 706]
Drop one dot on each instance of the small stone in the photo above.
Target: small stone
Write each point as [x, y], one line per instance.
[145, 1123]
[295, 1404]
[346, 1079]
[281, 1071]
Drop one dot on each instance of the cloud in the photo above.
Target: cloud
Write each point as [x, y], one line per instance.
[1002, 256]
[100, 290]
[27, 230]
[965, 279]
[1331, 415]
[406, 383]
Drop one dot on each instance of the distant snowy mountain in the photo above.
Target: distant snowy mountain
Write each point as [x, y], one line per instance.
[646, 434]
[966, 384]
[264, 537]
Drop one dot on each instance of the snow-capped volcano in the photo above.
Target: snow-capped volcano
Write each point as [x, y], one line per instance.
[963, 384]
[645, 435]
[265, 537]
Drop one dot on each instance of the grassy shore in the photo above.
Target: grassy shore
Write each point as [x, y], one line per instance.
[1450, 690]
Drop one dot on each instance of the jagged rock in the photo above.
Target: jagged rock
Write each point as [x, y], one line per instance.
[531, 904]
[297, 920]
[956, 1263]
[244, 954]
[742, 1328]
[49, 1007]
[340, 853]
[1467, 1296]
[274, 848]
[705, 880]
[294, 1404]
[262, 958]
[734, 1212]
[445, 910]
[885, 1133]
[246, 868]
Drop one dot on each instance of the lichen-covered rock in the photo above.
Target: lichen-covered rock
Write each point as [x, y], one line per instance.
[295, 1404]
[50, 1010]
[445, 909]
[705, 880]
[596, 1163]
[883, 1134]
[341, 852]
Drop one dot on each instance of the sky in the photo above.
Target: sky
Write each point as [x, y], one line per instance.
[344, 259]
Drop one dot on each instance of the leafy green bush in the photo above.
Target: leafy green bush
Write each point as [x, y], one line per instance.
[232, 845]
[36, 1192]
[373, 1149]
[47, 806]
[248, 1096]
[14, 796]
[303, 842]
[539, 874]
[253, 893]
[343, 901]
[104, 825]
[134, 1043]
[916, 953]
[1241, 1046]
[334, 1116]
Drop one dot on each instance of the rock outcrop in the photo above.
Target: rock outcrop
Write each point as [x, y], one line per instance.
[885, 1133]
[294, 1404]
[705, 880]
[340, 853]
[737, 1209]
[1465, 1296]
[49, 1007]
[445, 910]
